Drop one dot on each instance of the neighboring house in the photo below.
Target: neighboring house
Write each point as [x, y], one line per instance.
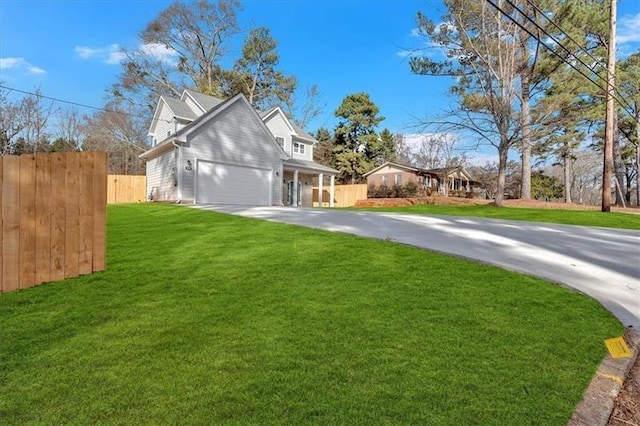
[443, 180]
[206, 150]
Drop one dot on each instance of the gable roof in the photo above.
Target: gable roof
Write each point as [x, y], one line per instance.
[210, 115]
[442, 171]
[404, 167]
[298, 132]
[179, 108]
[205, 102]
[450, 170]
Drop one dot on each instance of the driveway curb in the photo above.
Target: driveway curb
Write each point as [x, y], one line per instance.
[598, 400]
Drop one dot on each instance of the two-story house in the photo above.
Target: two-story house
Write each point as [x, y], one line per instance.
[207, 150]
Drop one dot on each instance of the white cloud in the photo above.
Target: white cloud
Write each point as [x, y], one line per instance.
[113, 55]
[629, 29]
[160, 52]
[86, 52]
[11, 62]
[36, 70]
[114, 58]
[20, 63]
[109, 54]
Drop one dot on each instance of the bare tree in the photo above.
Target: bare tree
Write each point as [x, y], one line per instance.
[305, 108]
[403, 151]
[69, 132]
[185, 41]
[121, 135]
[38, 112]
[484, 51]
[13, 120]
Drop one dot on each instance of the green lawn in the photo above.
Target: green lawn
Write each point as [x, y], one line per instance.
[203, 318]
[568, 217]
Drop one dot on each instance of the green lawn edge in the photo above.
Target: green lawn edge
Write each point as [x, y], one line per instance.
[202, 317]
[565, 217]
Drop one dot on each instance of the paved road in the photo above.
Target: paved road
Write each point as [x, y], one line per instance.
[603, 263]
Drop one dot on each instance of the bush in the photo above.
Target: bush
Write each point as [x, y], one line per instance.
[396, 191]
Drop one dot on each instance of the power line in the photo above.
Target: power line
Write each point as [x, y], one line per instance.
[532, 4]
[81, 105]
[622, 103]
[564, 60]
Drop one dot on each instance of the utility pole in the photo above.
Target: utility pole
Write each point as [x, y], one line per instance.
[610, 118]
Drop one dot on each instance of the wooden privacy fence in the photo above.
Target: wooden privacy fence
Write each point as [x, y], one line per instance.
[344, 195]
[53, 215]
[126, 189]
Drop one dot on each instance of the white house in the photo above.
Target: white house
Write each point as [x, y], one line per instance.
[206, 150]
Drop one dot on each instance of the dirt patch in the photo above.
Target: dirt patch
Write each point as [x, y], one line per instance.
[626, 410]
[395, 202]
[531, 204]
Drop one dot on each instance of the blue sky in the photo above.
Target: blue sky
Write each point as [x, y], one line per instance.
[69, 48]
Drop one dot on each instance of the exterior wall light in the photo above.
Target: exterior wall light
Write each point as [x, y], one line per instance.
[189, 166]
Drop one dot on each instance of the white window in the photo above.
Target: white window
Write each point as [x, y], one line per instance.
[384, 179]
[398, 179]
[298, 148]
[280, 141]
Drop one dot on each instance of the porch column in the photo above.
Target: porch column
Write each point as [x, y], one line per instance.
[294, 196]
[320, 182]
[332, 190]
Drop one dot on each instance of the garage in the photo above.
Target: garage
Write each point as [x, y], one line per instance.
[224, 183]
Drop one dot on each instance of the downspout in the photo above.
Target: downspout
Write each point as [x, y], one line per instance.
[178, 172]
[178, 161]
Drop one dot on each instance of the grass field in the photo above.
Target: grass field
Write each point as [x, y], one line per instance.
[203, 318]
[568, 217]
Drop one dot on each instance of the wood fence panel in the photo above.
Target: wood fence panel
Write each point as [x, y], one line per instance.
[126, 189]
[27, 221]
[344, 195]
[72, 223]
[100, 211]
[53, 212]
[43, 217]
[11, 223]
[85, 214]
[58, 215]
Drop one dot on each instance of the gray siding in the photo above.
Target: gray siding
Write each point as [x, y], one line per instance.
[308, 152]
[279, 127]
[234, 137]
[163, 125]
[159, 177]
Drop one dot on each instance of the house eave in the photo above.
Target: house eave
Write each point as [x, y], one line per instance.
[161, 148]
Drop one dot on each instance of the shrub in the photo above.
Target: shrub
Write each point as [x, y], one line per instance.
[396, 191]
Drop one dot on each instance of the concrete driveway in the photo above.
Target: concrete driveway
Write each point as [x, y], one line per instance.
[603, 263]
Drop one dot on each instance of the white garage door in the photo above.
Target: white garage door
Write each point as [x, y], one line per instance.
[219, 183]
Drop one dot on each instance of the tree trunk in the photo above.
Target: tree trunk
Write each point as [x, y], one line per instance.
[618, 169]
[566, 165]
[638, 157]
[502, 171]
[525, 192]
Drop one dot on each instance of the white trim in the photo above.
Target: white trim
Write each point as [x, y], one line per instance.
[185, 92]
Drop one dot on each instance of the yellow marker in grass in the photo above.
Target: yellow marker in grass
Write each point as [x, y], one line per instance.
[618, 347]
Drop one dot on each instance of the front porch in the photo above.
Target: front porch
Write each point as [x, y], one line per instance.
[299, 178]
